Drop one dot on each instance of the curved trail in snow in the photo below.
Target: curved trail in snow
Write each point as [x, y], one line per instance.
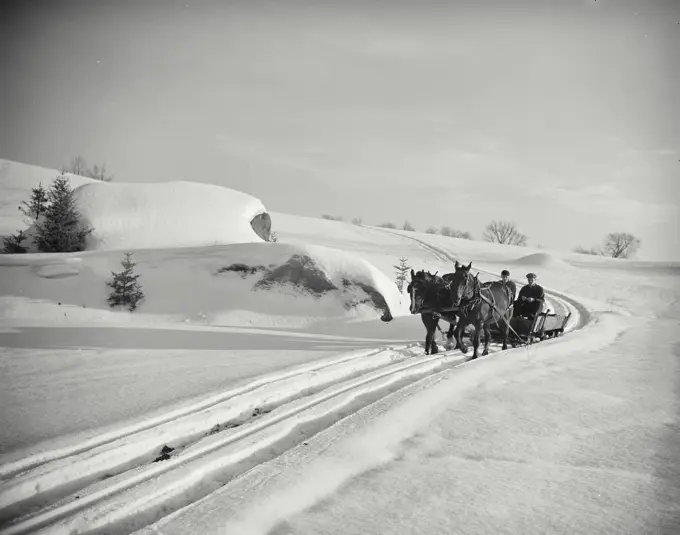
[114, 484]
[580, 316]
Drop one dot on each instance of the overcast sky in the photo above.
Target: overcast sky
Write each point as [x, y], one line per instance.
[559, 114]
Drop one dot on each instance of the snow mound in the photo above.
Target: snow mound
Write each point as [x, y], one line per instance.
[58, 271]
[164, 215]
[238, 285]
[320, 270]
[541, 259]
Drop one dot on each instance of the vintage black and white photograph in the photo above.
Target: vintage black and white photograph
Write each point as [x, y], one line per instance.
[340, 267]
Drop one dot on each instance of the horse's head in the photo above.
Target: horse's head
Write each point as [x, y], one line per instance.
[419, 289]
[462, 283]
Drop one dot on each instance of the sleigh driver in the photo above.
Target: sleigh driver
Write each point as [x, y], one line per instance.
[530, 300]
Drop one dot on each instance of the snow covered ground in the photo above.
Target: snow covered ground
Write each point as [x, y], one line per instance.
[286, 413]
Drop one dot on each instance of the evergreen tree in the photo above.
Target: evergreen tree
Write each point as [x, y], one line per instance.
[12, 243]
[36, 204]
[126, 291]
[60, 230]
[402, 269]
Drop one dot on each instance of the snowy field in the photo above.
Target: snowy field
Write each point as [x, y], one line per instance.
[222, 406]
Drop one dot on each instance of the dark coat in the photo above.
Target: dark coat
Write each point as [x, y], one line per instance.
[536, 292]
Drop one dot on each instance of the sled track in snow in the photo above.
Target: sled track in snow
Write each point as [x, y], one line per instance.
[120, 482]
[117, 488]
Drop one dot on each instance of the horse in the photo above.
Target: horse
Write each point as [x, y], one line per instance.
[426, 291]
[480, 305]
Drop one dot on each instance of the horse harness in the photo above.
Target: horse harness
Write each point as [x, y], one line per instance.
[467, 305]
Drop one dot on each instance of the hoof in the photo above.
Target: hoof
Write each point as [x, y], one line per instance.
[435, 350]
[485, 353]
[463, 349]
[504, 348]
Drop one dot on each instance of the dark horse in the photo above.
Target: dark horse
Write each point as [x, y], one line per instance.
[430, 295]
[480, 306]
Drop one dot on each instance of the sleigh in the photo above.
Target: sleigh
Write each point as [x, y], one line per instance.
[527, 330]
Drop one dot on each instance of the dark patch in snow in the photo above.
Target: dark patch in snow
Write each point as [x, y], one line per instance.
[302, 272]
[243, 269]
[165, 454]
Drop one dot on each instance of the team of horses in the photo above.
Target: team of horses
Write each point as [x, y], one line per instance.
[462, 300]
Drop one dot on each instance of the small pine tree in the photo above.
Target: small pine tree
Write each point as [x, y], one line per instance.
[126, 291]
[36, 204]
[12, 243]
[402, 269]
[60, 230]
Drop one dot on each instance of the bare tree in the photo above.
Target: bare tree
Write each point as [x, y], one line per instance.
[462, 235]
[504, 232]
[453, 233]
[331, 217]
[583, 250]
[408, 226]
[620, 245]
[387, 225]
[77, 166]
[431, 230]
[99, 173]
[357, 221]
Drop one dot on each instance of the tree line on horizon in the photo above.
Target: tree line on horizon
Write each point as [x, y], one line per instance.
[614, 245]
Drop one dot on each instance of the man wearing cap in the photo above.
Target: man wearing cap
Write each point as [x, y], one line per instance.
[505, 279]
[531, 298]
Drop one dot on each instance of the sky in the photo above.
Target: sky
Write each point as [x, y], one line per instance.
[560, 115]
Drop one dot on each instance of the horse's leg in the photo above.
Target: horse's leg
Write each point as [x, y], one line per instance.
[431, 325]
[426, 321]
[476, 339]
[487, 338]
[460, 327]
[506, 330]
[428, 338]
[450, 333]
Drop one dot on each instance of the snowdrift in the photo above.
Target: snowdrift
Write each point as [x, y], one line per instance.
[169, 214]
[264, 285]
[542, 260]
